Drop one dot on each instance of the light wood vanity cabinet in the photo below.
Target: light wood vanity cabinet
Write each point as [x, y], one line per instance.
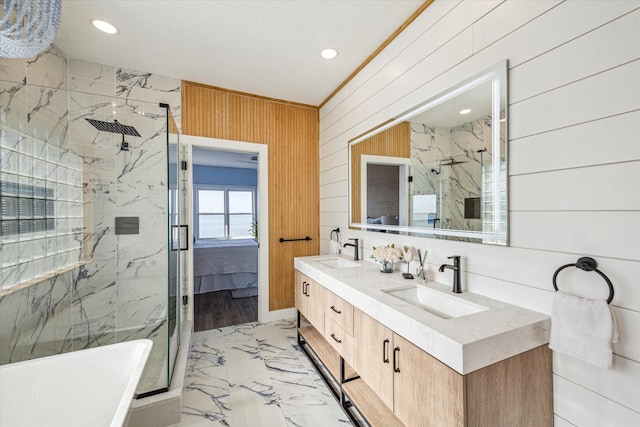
[372, 360]
[338, 325]
[422, 391]
[310, 300]
[395, 383]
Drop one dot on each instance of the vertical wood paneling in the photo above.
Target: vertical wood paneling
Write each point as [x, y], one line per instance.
[291, 132]
[395, 142]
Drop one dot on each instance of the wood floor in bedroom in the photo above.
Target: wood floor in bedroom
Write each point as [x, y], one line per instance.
[219, 309]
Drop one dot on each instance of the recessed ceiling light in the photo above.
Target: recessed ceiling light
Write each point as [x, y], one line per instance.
[465, 111]
[104, 26]
[329, 53]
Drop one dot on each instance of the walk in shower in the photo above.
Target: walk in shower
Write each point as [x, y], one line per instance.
[89, 236]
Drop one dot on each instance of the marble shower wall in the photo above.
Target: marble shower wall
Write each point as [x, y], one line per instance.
[431, 146]
[121, 293]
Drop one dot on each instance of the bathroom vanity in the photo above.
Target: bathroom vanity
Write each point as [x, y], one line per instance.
[411, 354]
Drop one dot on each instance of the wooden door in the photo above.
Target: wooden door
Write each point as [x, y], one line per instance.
[427, 393]
[372, 348]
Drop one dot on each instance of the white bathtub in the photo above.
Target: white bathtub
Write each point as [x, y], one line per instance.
[83, 388]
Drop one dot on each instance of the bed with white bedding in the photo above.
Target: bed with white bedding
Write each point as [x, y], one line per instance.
[225, 265]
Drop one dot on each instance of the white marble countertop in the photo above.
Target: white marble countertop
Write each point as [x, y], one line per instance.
[464, 343]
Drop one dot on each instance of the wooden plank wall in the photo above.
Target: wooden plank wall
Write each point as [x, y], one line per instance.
[291, 132]
[395, 142]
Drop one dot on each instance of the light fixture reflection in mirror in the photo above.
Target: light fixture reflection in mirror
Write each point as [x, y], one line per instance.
[435, 171]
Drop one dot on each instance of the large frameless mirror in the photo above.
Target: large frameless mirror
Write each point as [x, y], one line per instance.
[440, 169]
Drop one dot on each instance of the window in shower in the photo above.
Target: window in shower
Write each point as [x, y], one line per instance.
[224, 212]
[40, 208]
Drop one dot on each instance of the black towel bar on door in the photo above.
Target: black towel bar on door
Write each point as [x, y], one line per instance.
[586, 264]
[282, 239]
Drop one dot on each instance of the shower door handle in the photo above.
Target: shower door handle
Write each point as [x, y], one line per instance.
[178, 237]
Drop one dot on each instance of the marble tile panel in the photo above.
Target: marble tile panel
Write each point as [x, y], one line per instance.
[51, 316]
[48, 69]
[206, 398]
[90, 77]
[141, 302]
[48, 111]
[143, 198]
[15, 336]
[93, 71]
[13, 69]
[13, 105]
[149, 87]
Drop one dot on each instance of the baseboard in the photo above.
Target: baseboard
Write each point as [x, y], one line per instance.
[286, 313]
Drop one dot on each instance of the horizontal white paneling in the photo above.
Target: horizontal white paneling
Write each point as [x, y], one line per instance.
[458, 20]
[560, 422]
[337, 219]
[333, 175]
[437, 11]
[334, 204]
[584, 408]
[609, 140]
[629, 345]
[573, 123]
[333, 160]
[611, 383]
[607, 187]
[613, 234]
[506, 18]
[335, 189]
[606, 94]
[613, 44]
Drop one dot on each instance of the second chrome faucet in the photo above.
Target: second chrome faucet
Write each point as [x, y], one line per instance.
[457, 288]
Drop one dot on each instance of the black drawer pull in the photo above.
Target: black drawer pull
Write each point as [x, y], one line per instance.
[396, 362]
[336, 339]
[385, 351]
[335, 309]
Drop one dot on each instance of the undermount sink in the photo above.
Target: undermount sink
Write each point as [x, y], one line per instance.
[435, 302]
[337, 262]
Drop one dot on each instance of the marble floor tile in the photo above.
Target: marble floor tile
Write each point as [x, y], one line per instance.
[253, 375]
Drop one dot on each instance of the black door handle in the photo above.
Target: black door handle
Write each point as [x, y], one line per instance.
[385, 351]
[336, 339]
[396, 362]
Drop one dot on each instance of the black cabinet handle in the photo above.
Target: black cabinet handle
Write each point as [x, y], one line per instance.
[304, 288]
[336, 310]
[396, 361]
[308, 289]
[385, 351]
[336, 339]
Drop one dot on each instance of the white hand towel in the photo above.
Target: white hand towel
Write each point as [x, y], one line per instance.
[334, 247]
[583, 328]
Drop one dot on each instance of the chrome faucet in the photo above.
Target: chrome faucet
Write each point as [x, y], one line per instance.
[456, 272]
[356, 256]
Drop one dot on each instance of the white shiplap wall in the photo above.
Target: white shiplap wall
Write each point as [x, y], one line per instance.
[574, 164]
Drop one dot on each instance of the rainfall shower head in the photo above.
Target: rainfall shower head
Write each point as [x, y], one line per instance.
[114, 127]
[451, 162]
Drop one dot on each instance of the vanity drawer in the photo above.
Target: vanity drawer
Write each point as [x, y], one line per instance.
[339, 339]
[340, 311]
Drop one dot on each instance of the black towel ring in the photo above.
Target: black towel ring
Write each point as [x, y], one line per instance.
[586, 264]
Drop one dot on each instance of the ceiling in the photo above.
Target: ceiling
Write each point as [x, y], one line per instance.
[269, 48]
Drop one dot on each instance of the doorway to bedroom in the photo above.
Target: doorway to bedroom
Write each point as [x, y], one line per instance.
[225, 231]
